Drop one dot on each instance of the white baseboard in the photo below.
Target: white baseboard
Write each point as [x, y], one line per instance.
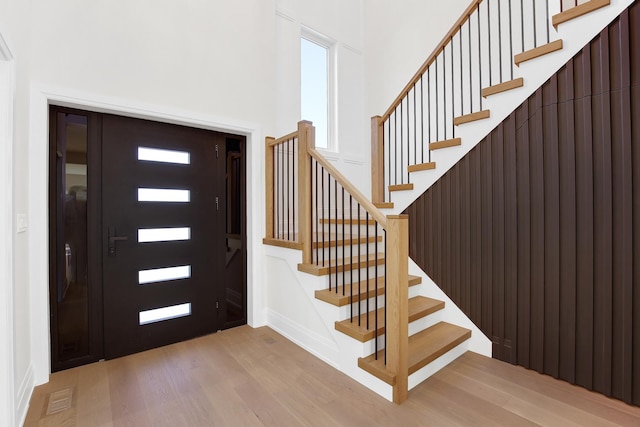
[24, 396]
[324, 349]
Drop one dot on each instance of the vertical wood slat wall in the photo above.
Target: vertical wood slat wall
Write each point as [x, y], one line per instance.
[535, 234]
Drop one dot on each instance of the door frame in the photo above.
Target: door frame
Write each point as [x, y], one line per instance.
[41, 97]
[7, 363]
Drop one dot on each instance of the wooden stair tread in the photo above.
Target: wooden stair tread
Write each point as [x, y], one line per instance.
[355, 220]
[472, 117]
[283, 243]
[332, 239]
[445, 143]
[401, 187]
[418, 307]
[537, 52]
[340, 263]
[577, 11]
[383, 205]
[335, 296]
[503, 87]
[424, 348]
[422, 167]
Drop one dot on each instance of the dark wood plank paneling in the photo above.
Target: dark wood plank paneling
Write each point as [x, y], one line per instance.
[536, 169]
[622, 292]
[497, 231]
[536, 232]
[551, 227]
[584, 219]
[567, 171]
[510, 241]
[602, 214]
[524, 238]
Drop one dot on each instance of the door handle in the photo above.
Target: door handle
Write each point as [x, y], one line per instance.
[113, 238]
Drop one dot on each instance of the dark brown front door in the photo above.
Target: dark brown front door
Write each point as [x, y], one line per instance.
[164, 220]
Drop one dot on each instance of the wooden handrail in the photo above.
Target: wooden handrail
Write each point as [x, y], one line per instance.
[282, 139]
[375, 213]
[439, 48]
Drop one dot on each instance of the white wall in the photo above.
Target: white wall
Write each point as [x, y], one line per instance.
[339, 20]
[204, 63]
[400, 36]
[7, 383]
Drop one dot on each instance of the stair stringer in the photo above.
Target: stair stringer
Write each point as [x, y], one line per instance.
[575, 34]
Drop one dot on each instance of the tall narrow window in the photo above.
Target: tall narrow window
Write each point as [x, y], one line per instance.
[316, 82]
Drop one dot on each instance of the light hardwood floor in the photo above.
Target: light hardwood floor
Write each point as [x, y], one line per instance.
[256, 377]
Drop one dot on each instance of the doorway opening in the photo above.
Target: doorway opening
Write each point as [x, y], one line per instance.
[147, 234]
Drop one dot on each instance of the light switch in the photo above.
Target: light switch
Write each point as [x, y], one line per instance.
[21, 223]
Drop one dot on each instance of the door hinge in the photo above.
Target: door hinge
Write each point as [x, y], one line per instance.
[217, 204]
[217, 151]
[217, 305]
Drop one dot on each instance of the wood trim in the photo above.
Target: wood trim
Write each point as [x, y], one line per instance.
[577, 11]
[350, 188]
[537, 52]
[503, 87]
[401, 187]
[422, 167]
[285, 138]
[445, 143]
[268, 198]
[397, 328]
[377, 160]
[445, 40]
[479, 115]
[306, 140]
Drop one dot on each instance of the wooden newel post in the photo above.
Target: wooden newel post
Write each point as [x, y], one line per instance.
[377, 160]
[397, 328]
[306, 140]
[269, 184]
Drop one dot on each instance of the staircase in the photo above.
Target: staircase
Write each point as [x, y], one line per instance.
[390, 331]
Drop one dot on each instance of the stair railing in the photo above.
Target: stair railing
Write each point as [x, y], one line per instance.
[471, 62]
[311, 206]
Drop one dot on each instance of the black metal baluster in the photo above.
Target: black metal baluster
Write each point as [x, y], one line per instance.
[343, 243]
[510, 40]
[522, 22]
[408, 137]
[453, 92]
[500, 39]
[535, 25]
[359, 270]
[401, 142]
[479, 54]
[422, 117]
[437, 99]
[366, 262]
[489, 45]
[461, 80]
[415, 128]
[470, 67]
[375, 291]
[335, 195]
[546, 14]
[329, 225]
[429, 108]
[314, 211]
[351, 256]
[395, 140]
[386, 314]
[321, 213]
[444, 90]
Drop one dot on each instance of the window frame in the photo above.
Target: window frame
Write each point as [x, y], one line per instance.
[329, 44]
